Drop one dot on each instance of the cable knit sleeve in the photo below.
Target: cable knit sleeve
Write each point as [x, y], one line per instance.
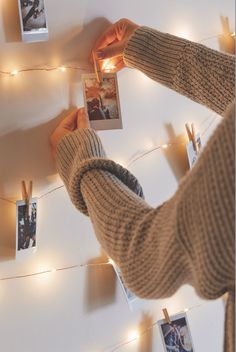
[204, 75]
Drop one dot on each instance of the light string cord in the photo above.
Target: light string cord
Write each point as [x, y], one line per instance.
[142, 155]
[54, 270]
[116, 347]
[87, 68]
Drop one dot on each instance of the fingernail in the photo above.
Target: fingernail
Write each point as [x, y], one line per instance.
[100, 55]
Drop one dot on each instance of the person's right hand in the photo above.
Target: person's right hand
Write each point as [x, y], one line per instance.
[109, 47]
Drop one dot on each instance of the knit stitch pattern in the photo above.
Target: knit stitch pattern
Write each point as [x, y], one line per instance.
[190, 238]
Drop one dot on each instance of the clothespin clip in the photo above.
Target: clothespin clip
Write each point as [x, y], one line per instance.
[97, 68]
[227, 38]
[192, 136]
[166, 315]
[27, 195]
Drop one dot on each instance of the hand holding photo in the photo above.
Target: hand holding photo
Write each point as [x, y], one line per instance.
[102, 101]
[26, 217]
[33, 20]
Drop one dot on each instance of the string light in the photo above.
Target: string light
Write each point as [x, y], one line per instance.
[134, 335]
[14, 73]
[140, 156]
[46, 69]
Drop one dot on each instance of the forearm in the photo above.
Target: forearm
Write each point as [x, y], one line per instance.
[140, 239]
[204, 75]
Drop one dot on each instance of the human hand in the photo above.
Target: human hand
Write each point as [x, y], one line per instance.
[109, 47]
[76, 119]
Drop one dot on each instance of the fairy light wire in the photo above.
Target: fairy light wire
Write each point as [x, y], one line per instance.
[142, 155]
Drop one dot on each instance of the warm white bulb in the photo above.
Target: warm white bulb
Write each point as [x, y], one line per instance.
[53, 270]
[14, 73]
[233, 34]
[110, 261]
[164, 146]
[186, 310]
[62, 68]
[133, 335]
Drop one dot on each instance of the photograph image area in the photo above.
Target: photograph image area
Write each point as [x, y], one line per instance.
[33, 15]
[26, 226]
[102, 100]
[176, 336]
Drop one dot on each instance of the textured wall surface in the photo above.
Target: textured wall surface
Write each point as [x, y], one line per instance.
[84, 309]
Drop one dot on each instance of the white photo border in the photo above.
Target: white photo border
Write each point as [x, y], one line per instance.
[108, 124]
[33, 35]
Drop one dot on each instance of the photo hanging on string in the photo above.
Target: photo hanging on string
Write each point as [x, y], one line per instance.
[176, 336]
[102, 102]
[26, 221]
[33, 20]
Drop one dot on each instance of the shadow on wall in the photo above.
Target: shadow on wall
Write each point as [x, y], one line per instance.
[146, 332]
[100, 285]
[11, 21]
[176, 155]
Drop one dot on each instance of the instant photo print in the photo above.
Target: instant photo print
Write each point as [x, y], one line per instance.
[33, 20]
[26, 222]
[176, 336]
[102, 101]
[130, 296]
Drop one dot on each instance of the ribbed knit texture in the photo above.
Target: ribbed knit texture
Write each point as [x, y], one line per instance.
[190, 238]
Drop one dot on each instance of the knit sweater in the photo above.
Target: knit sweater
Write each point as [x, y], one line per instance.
[190, 238]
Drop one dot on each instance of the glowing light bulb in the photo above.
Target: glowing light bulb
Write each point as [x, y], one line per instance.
[186, 310]
[164, 146]
[62, 68]
[14, 73]
[233, 34]
[108, 66]
[133, 335]
[53, 270]
[110, 261]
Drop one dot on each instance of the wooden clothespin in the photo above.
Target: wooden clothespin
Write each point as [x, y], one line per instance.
[166, 315]
[27, 195]
[97, 68]
[227, 38]
[192, 136]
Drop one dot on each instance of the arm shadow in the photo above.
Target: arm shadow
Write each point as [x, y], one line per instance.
[176, 154]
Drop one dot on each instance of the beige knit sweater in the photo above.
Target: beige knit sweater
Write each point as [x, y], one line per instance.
[190, 238]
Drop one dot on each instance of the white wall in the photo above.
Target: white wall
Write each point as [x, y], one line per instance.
[84, 309]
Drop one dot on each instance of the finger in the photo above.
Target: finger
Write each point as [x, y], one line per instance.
[111, 51]
[82, 119]
[69, 122]
[108, 37]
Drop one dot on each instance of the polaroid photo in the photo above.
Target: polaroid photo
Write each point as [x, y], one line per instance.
[102, 101]
[26, 224]
[176, 336]
[33, 20]
[130, 296]
[192, 154]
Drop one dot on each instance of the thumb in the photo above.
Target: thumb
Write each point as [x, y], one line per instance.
[69, 122]
[82, 119]
[111, 51]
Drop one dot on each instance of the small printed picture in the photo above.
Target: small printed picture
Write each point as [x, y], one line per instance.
[193, 154]
[102, 101]
[26, 217]
[176, 336]
[33, 20]
[130, 296]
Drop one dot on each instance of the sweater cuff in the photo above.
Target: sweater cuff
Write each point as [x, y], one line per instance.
[155, 53]
[80, 152]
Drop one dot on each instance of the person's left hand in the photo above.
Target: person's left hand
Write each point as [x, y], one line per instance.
[76, 119]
